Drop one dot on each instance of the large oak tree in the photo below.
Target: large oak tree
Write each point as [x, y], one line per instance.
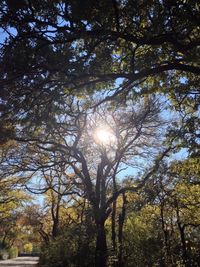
[54, 52]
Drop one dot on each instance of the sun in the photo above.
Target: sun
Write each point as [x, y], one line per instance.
[104, 136]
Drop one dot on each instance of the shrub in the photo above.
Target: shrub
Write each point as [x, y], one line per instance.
[4, 255]
[73, 249]
[28, 248]
[13, 252]
[36, 251]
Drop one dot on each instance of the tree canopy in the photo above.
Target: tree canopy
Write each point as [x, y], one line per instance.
[53, 48]
[95, 97]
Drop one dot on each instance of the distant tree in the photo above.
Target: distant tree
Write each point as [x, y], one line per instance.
[11, 205]
[162, 223]
[56, 187]
[178, 200]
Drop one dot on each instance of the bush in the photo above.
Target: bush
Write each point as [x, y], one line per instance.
[4, 254]
[13, 252]
[28, 248]
[73, 249]
[36, 251]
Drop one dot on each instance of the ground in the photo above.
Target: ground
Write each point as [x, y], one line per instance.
[20, 262]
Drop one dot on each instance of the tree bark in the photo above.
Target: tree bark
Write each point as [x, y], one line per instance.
[181, 228]
[113, 226]
[120, 232]
[101, 246]
[167, 252]
[55, 218]
[183, 243]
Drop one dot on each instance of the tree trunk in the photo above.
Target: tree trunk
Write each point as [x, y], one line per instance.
[167, 251]
[113, 226]
[55, 227]
[183, 243]
[181, 228]
[120, 232]
[55, 217]
[101, 246]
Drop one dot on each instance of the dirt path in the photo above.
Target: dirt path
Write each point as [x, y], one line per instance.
[20, 262]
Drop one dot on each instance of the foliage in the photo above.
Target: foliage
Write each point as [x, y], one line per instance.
[147, 46]
[162, 224]
[73, 248]
[7, 251]
[10, 210]
[13, 252]
[88, 63]
[4, 255]
[142, 244]
[28, 248]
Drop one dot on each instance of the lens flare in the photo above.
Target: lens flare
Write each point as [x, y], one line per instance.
[104, 136]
